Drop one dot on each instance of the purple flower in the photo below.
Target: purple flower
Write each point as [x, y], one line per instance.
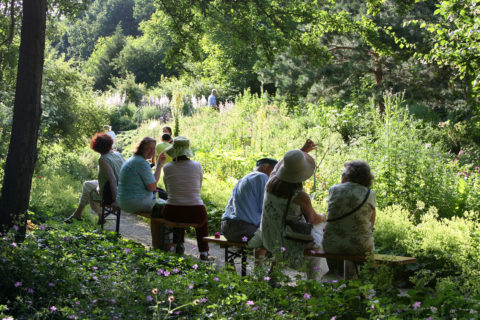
[178, 312]
[53, 309]
[113, 301]
[94, 301]
[127, 251]
[373, 307]
[195, 266]
[283, 249]
[41, 227]
[306, 296]
[430, 318]
[169, 291]
[175, 270]
[30, 291]
[1, 234]
[203, 300]
[417, 305]
[160, 272]
[51, 284]
[95, 278]
[250, 303]
[15, 227]
[72, 317]
[266, 278]
[8, 318]
[66, 239]
[316, 269]
[190, 287]
[313, 251]
[94, 268]
[77, 303]
[255, 308]
[280, 312]
[333, 318]
[14, 244]
[216, 279]
[17, 284]
[149, 298]
[244, 239]
[428, 145]
[104, 277]
[194, 248]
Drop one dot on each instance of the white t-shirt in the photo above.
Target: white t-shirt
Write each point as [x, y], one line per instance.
[183, 181]
[112, 134]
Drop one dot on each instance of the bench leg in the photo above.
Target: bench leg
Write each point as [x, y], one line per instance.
[117, 227]
[244, 261]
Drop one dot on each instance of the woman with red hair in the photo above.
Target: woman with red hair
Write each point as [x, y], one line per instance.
[109, 165]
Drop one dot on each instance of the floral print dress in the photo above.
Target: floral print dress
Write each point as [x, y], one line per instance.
[352, 235]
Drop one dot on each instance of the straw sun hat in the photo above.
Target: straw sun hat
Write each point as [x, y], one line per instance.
[179, 147]
[297, 167]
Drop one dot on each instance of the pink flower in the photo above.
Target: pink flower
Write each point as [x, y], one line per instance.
[306, 296]
[195, 266]
[190, 287]
[160, 272]
[127, 251]
[166, 273]
[333, 318]
[175, 270]
[283, 249]
[244, 239]
[51, 284]
[17, 284]
[280, 312]
[461, 152]
[14, 244]
[428, 145]
[217, 235]
[266, 278]
[313, 251]
[250, 303]
[417, 305]
[53, 309]
[216, 279]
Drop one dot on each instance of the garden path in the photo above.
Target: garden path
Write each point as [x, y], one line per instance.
[138, 229]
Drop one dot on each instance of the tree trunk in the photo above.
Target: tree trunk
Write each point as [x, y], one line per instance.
[22, 151]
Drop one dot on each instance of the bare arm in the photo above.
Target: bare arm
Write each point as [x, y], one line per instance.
[158, 169]
[105, 167]
[303, 200]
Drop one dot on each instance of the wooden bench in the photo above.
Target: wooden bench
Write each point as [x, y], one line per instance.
[241, 251]
[177, 230]
[230, 255]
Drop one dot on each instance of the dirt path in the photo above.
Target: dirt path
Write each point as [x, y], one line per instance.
[138, 229]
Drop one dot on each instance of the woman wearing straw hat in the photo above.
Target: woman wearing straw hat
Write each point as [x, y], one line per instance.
[183, 180]
[285, 200]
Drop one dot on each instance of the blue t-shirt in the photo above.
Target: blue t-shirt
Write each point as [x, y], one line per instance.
[212, 101]
[135, 175]
[247, 199]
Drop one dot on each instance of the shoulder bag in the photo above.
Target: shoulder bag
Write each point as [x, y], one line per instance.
[350, 212]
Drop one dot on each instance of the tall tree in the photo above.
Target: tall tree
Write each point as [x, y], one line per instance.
[22, 152]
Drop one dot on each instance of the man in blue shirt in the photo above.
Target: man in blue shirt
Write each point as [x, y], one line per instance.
[243, 212]
[212, 100]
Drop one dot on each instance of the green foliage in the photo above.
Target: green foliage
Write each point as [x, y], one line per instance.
[61, 271]
[102, 64]
[70, 114]
[133, 92]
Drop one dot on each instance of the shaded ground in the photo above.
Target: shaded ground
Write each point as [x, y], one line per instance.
[138, 229]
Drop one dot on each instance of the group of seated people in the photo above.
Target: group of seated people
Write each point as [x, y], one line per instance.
[262, 204]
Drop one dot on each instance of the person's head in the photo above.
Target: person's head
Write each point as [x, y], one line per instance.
[214, 92]
[357, 171]
[107, 127]
[266, 165]
[101, 143]
[179, 148]
[145, 147]
[167, 130]
[167, 138]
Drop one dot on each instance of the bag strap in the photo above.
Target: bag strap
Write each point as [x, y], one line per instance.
[284, 219]
[349, 213]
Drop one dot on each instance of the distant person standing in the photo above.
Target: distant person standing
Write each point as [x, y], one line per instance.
[212, 100]
[108, 130]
